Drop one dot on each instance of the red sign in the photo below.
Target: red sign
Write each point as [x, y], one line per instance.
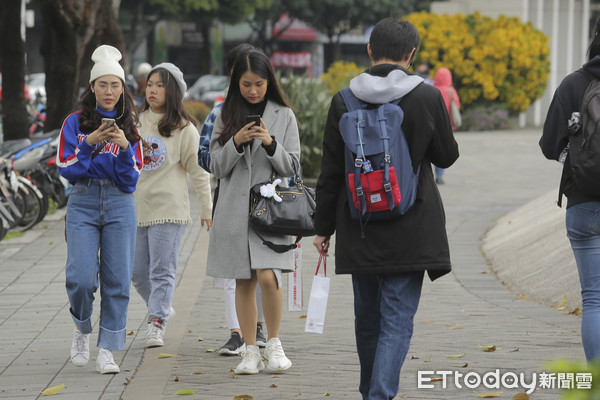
[297, 30]
[293, 60]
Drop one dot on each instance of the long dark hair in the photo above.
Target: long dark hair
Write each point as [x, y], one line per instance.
[236, 108]
[127, 119]
[594, 48]
[175, 115]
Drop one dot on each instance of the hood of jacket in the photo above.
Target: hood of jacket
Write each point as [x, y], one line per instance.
[593, 66]
[383, 83]
[443, 77]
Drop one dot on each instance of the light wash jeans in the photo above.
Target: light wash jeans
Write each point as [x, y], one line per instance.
[583, 230]
[100, 226]
[384, 308]
[154, 267]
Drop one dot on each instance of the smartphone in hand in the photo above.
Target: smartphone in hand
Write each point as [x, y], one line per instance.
[109, 122]
[253, 118]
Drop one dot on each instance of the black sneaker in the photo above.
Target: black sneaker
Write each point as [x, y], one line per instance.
[261, 341]
[234, 346]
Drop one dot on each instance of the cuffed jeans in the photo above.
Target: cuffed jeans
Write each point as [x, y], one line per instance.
[583, 230]
[384, 308]
[100, 226]
[155, 265]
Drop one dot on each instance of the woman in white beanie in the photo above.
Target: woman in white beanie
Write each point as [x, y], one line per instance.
[161, 198]
[100, 154]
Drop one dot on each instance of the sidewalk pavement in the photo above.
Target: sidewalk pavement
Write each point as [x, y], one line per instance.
[496, 173]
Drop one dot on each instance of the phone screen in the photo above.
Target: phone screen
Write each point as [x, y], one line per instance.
[109, 122]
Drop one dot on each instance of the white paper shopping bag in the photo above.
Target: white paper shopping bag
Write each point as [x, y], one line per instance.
[317, 303]
[295, 298]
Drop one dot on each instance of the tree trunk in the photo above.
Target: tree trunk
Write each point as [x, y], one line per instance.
[12, 49]
[67, 28]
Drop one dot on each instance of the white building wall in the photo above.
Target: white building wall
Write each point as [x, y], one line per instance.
[566, 22]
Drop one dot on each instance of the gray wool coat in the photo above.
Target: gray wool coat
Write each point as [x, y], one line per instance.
[234, 249]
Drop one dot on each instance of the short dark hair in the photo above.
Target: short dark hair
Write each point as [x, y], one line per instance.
[393, 39]
[594, 48]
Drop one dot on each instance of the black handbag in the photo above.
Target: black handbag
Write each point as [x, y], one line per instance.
[293, 215]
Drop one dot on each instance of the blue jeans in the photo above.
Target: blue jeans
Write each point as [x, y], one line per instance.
[100, 226]
[583, 230]
[155, 265]
[384, 308]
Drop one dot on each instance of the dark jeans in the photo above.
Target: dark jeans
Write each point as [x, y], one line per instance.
[384, 308]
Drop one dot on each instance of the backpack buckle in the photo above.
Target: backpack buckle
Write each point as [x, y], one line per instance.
[387, 186]
[358, 162]
[387, 159]
[359, 190]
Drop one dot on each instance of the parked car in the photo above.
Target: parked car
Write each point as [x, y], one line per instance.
[208, 88]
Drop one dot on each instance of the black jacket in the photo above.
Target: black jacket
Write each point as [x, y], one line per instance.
[417, 240]
[567, 99]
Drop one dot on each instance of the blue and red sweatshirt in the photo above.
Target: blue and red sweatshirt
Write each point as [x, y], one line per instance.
[74, 157]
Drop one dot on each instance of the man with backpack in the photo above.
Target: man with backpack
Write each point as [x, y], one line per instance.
[386, 250]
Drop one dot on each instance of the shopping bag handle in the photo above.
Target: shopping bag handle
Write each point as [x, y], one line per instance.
[323, 257]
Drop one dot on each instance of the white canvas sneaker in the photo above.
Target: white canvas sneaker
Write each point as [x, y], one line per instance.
[278, 362]
[105, 363]
[80, 348]
[154, 336]
[251, 363]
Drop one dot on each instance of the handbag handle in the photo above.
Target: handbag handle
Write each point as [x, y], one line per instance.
[323, 257]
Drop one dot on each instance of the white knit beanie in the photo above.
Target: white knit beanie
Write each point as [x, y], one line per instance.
[175, 73]
[106, 62]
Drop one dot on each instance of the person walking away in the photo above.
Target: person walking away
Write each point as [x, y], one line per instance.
[583, 226]
[388, 264]
[443, 81]
[242, 155]
[235, 344]
[102, 160]
[161, 198]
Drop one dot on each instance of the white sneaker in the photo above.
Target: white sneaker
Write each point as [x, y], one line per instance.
[278, 362]
[154, 336]
[251, 363]
[105, 363]
[80, 348]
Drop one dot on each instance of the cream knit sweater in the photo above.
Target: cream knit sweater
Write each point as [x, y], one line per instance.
[161, 195]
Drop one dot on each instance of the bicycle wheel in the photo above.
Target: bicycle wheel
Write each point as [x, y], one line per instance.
[34, 205]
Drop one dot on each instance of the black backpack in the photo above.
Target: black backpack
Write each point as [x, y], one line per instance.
[582, 166]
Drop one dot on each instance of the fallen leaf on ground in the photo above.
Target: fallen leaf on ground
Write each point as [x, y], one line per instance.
[436, 379]
[53, 390]
[184, 392]
[210, 350]
[176, 379]
[521, 396]
[130, 333]
[243, 397]
[302, 316]
[562, 303]
[127, 381]
[489, 395]
[515, 349]
[414, 357]
[165, 355]
[489, 349]
[457, 326]
[198, 373]
[189, 331]
[200, 339]
[576, 311]
[457, 355]
[326, 394]
[274, 385]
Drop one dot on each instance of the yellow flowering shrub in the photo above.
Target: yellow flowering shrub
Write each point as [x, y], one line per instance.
[500, 59]
[339, 74]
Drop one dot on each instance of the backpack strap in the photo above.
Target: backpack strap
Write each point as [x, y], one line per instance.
[352, 102]
[385, 138]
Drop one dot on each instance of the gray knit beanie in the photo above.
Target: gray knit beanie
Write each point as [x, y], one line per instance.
[175, 73]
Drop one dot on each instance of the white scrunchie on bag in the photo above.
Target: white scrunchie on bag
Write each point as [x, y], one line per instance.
[268, 190]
